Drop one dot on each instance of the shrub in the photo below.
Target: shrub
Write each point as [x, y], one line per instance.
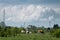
[56, 33]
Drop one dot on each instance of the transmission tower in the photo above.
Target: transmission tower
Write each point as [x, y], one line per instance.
[49, 23]
[3, 22]
[4, 15]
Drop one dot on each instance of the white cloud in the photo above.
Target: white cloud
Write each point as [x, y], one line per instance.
[43, 19]
[57, 10]
[26, 13]
[50, 18]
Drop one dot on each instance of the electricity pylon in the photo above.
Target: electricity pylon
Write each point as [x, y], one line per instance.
[3, 22]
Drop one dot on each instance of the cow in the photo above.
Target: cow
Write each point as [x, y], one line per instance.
[40, 31]
[26, 31]
[22, 31]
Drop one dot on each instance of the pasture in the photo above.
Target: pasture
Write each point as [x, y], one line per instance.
[31, 37]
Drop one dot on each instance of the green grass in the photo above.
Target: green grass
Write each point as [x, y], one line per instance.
[30, 37]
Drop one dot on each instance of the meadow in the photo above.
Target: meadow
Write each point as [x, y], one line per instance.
[31, 37]
[14, 33]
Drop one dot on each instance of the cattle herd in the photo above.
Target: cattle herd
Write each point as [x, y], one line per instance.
[29, 32]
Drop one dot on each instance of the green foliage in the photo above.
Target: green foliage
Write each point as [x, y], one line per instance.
[32, 28]
[2, 24]
[56, 26]
[30, 37]
[9, 31]
[56, 33]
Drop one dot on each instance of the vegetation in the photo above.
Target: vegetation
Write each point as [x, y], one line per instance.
[14, 33]
[56, 31]
[30, 37]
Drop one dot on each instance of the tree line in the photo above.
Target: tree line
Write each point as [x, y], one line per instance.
[9, 31]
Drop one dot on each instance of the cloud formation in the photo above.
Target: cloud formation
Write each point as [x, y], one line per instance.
[28, 13]
[25, 13]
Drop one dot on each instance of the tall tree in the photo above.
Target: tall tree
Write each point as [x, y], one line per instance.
[32, 28]
[56, 26]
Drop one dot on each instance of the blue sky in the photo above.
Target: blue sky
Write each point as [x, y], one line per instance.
[30, 1]
[35, 12]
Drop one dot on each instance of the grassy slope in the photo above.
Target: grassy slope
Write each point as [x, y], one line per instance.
[30, 37]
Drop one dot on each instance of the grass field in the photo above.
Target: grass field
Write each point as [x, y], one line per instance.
[30, 37]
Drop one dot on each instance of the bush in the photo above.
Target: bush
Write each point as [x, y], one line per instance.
[56, 33]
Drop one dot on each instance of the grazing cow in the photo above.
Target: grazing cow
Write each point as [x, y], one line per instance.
[28, 32]
[40, 31]
[22, 31]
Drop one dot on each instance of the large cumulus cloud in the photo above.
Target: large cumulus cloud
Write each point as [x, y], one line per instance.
[28, 13]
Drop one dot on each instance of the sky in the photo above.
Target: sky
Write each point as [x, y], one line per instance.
[30, 12]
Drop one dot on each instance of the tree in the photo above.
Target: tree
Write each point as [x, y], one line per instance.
[55, 33]
[32, 28]
[56, 26]
[2, 24]
[48, 28]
